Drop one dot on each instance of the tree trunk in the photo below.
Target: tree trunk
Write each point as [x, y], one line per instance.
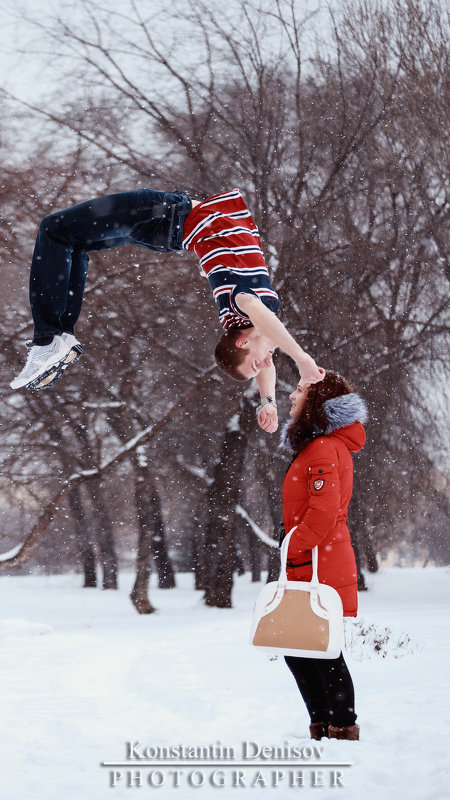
[152, 540]
[371, 556]
[108, 557]
[166, 574]
[163, 564]
[242, 533]
[273, 568]
[255, 557]
[355, 544]
[223, 496]
[198, 545]
[359, 535]
[84, 544]
[139, 594]
[274, 497]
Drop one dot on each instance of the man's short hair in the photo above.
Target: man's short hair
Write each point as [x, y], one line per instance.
[229, 357]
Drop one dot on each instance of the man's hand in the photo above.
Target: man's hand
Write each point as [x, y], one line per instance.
[309, 371]
[268, 418]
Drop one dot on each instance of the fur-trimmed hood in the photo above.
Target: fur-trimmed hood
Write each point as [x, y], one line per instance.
[341, 412]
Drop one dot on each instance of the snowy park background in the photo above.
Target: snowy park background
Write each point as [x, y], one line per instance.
[136, 463]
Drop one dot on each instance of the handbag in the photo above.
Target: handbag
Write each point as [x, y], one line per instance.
[298, 618]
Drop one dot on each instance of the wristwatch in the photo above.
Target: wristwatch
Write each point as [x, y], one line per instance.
[264, 401]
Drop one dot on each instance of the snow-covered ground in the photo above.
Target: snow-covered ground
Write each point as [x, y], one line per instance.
[82, 674]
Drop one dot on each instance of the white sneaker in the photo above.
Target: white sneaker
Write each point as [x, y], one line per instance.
[41, 359]
[54, 374]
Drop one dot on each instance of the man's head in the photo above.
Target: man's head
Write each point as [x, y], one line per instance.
[242, 352]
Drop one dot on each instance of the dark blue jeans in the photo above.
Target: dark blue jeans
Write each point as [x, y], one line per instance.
[59, 267]
[326, 687]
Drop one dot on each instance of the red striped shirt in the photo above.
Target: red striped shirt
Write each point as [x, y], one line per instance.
[222, 233]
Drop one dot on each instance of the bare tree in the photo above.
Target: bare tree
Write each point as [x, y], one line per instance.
[223, 496]
[342, 153]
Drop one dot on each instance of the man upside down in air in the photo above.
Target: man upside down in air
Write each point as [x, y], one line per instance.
[224, 236]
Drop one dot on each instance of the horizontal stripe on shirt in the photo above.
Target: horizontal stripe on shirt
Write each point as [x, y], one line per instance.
[230, 255]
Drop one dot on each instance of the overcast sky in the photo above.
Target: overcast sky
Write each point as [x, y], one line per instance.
[29, 73]
[21, 71]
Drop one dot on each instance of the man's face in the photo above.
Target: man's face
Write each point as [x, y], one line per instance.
[259, 352]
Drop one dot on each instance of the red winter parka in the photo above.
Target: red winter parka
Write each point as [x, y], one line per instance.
[316, 493]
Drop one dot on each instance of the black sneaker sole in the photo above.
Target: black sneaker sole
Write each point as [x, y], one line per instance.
[47, 378]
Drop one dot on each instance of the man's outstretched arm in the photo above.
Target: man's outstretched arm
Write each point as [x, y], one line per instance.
[266, 323]
[267, 416]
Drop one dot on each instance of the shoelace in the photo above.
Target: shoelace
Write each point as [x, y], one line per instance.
[40, 357]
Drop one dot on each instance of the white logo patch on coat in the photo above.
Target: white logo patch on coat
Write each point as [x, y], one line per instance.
[318, 484]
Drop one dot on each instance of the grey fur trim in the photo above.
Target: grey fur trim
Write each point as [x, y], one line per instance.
[340, 411]
[344, 410]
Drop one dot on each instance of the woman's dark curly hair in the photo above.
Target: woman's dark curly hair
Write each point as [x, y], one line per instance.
[312, 420]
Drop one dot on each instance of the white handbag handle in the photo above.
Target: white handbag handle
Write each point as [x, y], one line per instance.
[283, 557]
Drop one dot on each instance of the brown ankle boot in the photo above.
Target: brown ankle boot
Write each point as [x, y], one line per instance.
[318, 730]
[350, 732]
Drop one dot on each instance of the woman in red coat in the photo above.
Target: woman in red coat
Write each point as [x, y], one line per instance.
[325, 430]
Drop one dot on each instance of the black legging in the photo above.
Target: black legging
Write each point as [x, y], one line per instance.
[326, 687]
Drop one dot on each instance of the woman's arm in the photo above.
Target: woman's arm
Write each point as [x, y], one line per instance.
[323, 508]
